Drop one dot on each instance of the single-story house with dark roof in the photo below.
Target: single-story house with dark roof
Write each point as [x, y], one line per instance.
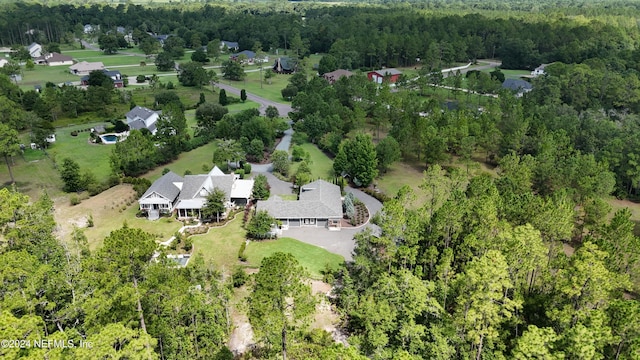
[519, 87]
[285, 65]
[142, 118]
[250, 57]
[230, 45]
[188, 195]
[390, 75]
[319, 205]
[118, 81]
[334, 76]
[54, 59]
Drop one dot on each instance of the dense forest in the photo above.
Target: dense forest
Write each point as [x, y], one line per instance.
[529, 262]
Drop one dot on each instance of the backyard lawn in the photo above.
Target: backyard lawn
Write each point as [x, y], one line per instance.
[109, 211]
[197, 161]
[221, 245]
[312, 258]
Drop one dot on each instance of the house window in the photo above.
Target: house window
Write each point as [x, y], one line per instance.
[309, 221]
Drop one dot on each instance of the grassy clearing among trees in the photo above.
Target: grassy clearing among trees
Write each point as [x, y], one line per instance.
[312, 258]
[321, 165]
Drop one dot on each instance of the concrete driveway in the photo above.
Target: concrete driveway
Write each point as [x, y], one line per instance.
[338, 242]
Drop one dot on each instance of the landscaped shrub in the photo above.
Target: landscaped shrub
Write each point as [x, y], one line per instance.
[239, 277]
[241, 255]
[74, 133]
[188, 244]
[240, 173]
[74, 200]
[247, 168]
[141, 78]
[349, 207]
[378, 195]
[90, 221]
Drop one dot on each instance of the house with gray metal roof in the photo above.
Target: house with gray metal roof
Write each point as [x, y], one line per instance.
[319, 204]
[192, 191]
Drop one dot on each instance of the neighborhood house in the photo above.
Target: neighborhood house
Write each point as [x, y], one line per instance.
[35, 50]
[248, 57]
[334, 76]
[390, 75]
[142, 118]
[285, 65]
[230, 45]
[319, 205]
[54, 59]
[118, 81]
[84, 68]
[188, 195]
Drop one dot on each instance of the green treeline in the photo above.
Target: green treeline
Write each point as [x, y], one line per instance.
[359, 37]
[479, 271]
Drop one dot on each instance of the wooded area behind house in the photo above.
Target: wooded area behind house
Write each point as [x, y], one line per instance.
[528, 261]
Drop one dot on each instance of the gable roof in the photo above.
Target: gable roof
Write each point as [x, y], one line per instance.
[517, 85]
[33, 45]
[248, 53]
[165, 186]
[335, 75]
[87, 66]
[318, 199]
[216, 171]
[54, 57]
[140, 112]
[387, 72]
[284, 64]
[229, 44]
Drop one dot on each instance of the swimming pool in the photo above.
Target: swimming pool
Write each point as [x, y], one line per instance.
[109, 138]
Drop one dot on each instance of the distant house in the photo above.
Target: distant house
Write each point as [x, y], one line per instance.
[88, 28]
[250, 57]
[230, 45]
[539, 70]
[334, 76]
[118, 81]
[35, 50]
[285, 65]
[161, 38]
[3, 62]
[188, 195]
[54, 59]
[320, 205]
[142, 118]
[390, 75]
[84, 68]
[120, 30]
[519, 87]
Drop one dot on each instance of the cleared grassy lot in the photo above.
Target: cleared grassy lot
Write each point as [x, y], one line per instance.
[312, 258]
[321, 165]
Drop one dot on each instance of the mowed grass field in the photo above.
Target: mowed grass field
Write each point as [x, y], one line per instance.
[312, 258]
[321, 165]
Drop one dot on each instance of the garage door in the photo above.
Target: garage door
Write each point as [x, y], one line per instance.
[322, 223]
[294, 222]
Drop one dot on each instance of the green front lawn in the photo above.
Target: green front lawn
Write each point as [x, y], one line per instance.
[312, 258]
[267, 91]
